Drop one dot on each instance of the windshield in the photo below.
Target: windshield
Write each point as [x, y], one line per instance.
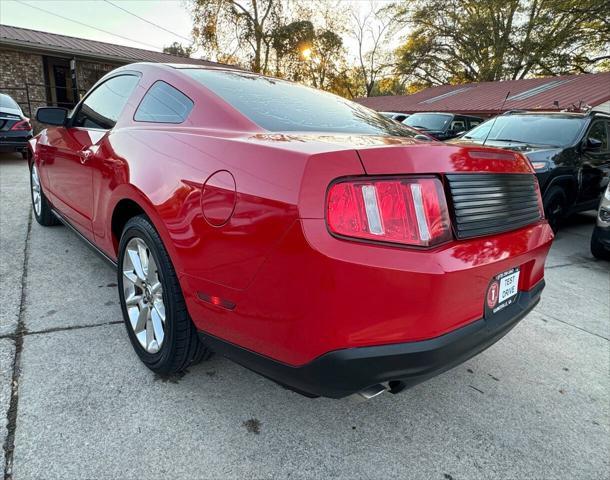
[429, 121]
[558, 131]
[281, 106]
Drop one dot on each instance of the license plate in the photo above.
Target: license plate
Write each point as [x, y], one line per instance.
[502, 289]
[508, 286]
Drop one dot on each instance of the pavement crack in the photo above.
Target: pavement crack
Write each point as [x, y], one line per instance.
[551, 317]
[72, 327]
[11, 416]
[475, 388]
[581, 261]
[558, 266]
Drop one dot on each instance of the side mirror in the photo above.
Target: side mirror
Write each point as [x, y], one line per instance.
[593, 145]
[52, 115]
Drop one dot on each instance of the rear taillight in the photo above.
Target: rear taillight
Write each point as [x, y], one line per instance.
[22, 125]
[409, 211]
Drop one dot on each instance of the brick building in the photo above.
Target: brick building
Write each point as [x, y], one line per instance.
[40, 68]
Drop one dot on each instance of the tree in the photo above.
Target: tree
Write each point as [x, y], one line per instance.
[373, 31]
[297, 39]
[232, 28]
[458, 41]
[307, 54]
[179, 50]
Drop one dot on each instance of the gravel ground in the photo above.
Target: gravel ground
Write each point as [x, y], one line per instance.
[535, 405]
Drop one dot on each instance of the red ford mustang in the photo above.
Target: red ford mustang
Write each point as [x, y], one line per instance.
[304, 236]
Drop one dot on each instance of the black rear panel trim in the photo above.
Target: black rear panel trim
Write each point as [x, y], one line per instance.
[487, 203]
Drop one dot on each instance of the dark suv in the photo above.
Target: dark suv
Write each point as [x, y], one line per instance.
[569, 151]
[442, 126]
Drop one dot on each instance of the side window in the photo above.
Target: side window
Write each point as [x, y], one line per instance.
[101, 109]
[458, 124]
[473, 122]
[163, 104]
[599, 131]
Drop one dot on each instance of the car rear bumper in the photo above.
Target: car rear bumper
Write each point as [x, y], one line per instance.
[316, 294]
[13, 143]
[343, 372]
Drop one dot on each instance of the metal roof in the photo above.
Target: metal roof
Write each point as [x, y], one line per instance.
[487, 97]
[52, 43]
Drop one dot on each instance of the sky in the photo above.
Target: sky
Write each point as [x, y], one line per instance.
[111, 24]
[170, 14]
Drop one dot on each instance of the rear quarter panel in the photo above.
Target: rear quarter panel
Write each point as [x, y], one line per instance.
[164, 170]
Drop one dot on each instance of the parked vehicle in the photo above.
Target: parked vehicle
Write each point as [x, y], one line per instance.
[399, 117]
[306, 237]
[442, 126]
[569, 151]
[600, 240]
[15, 127]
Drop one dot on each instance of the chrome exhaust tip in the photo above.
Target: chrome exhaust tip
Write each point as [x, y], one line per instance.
[372, 391]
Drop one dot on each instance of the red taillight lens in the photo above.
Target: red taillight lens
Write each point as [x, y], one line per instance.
[410, 211]
[22, 125]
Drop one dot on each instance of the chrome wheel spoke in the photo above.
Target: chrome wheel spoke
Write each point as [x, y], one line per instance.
[131, 277]
[134, 313]
[156, 289]
[142, 318]
[152, 276]
[137, 264]
[159, 309]
[133, 300]
[143, 256]
[157, 324]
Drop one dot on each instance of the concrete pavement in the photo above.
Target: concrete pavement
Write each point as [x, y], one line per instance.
[535, 405]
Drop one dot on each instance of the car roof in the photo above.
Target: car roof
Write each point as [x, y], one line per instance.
[434, 113]
[557, 114]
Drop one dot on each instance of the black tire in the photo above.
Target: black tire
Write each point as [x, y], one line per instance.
[181, 346]
[597, 248]
[45, 217]
[555, 207]
[24, 154]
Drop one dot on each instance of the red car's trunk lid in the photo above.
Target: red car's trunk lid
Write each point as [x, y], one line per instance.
[440, 158]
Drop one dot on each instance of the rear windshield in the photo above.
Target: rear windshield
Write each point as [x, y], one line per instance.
[547, 130]
[429, 121]
[281, 106]
[8, 102]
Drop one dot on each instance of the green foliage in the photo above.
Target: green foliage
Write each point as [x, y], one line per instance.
[304, 53]
[178, 49]
[457, 41]
[441, 41]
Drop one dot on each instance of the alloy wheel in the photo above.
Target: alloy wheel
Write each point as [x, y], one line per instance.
[143, 294]
[36, 191]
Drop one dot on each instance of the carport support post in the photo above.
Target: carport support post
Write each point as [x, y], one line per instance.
[73, 76]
